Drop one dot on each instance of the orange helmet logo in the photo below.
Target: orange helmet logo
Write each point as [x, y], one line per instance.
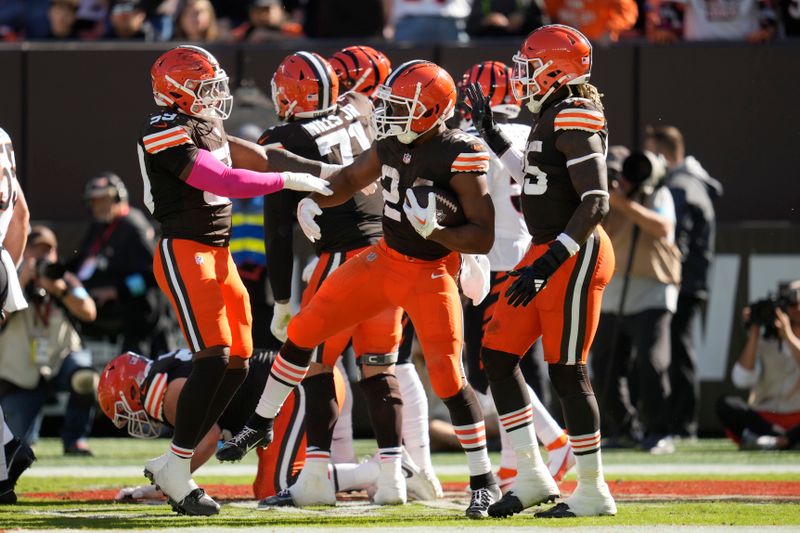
[190, 80]
[416, 97]
[549, 58]
[304, 86]
[494, 79]
[121, 398]
[361, 69]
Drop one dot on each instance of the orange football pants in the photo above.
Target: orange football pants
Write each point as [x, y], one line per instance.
[376, 335]
[281, 463]
[207, 295]
[566, 311]
[380, 278]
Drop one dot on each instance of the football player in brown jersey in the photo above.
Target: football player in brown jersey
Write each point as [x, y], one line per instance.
[555, 290]
[414, 264]
[186, 159]
[322, 127]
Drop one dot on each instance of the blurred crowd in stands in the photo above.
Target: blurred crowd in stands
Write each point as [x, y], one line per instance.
[604, 21]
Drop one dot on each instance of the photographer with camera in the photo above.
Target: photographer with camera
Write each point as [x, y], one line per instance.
[769, 366]
[631, 352]
[41, 351]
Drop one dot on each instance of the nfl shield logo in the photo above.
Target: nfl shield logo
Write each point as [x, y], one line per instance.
[406, 158]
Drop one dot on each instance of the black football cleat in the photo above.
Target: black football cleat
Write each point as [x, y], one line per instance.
[480, 501]
[19, 457]
[510, 505]
[196, 503]
[244, 441]
[560, 510]
[282, 499]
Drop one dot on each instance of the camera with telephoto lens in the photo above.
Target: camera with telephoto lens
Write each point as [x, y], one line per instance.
[50, 270]
[763, 312]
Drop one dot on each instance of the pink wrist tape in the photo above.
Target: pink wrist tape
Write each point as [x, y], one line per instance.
[211, 175]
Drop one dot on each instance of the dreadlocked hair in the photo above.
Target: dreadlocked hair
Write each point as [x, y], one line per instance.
[590, 92]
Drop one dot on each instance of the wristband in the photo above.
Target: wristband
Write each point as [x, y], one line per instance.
[496, 140]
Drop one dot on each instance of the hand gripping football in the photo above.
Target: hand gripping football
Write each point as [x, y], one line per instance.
[448, 209]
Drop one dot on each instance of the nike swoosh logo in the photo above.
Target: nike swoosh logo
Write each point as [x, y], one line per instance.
[435, 276]
[420, 220]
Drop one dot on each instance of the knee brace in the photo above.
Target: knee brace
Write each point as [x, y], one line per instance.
[84, 381]
[498, 365]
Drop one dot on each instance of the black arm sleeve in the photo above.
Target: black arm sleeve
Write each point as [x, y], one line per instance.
[279, 216]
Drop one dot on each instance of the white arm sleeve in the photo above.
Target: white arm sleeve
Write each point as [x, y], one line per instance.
[514, 161]
[744, 378]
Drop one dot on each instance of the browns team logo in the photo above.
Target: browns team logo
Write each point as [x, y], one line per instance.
[406, 158]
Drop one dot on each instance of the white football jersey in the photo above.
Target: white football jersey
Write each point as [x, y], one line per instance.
[511, 237]
[7, 183]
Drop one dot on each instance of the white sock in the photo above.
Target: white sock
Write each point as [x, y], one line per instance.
[519, 425]
[350, 476]
[473, 441]
[283, 378]
[508, 459]
[181, 453]
[547, 429]
[342, 444]
[416, 436]
[391, 461]
[588, 462]
[317, 461]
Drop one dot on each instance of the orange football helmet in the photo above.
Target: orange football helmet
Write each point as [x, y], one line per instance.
[416, 97]
[549, 58]
[189, 79]
[121, 398]
[360, 68]
[304, 86]
[494, 78]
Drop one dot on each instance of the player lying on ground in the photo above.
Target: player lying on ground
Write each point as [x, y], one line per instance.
[141, 395]
[186, 161]
[413, 267]
[555, 291]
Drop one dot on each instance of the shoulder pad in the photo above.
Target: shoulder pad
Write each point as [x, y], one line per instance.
[165, 130]
[579, 117]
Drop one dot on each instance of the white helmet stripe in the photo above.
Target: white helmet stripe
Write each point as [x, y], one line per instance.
[322, 74]
[402, 68]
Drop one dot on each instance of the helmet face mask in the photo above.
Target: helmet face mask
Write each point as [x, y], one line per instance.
[550, 57]
[140, 425]
[396, 114]
[190, 80]
[417, 97]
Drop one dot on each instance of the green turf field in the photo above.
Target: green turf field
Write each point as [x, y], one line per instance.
[117, 463]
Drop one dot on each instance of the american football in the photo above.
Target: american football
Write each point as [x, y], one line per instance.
[448, 209]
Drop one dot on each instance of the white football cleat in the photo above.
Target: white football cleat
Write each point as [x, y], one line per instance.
[560, 460]
[175, 481]
[418, 484]
[531, 487]
[587, 500]
[391, 485]
[312, 489]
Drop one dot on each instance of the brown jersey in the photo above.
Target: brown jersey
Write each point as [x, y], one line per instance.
[433, 162]
[337, 139]
[548, 197]
[167, 147]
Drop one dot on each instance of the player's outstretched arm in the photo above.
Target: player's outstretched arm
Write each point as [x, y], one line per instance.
[586, 164]
[286, 161]
[249, 155]
[351, 179]
[477, 235]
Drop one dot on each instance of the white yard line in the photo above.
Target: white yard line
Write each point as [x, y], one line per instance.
[457, 529]
[449, 470]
